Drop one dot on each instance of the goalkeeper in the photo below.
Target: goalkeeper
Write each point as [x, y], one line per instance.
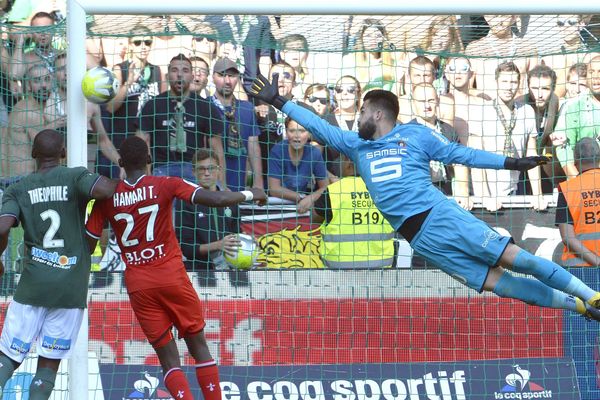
[393, 160]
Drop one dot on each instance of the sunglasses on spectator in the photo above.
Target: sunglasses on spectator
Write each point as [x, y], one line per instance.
[138, 43]
[322, 100]
[285, 74]
[201, 38]
[348, 89]
[453, 68]
[570, 22]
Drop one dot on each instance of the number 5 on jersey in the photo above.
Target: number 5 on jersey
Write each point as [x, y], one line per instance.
[385, 169]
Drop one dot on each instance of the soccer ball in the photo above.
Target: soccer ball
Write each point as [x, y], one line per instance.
[246, 255]
[99, 85]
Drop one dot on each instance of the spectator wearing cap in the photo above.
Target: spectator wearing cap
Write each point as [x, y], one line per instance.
[240, 137]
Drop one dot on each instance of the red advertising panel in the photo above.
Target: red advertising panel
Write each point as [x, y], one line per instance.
[333, 331]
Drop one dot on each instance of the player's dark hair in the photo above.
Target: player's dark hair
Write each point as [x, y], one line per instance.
[385, 100]
[48, 143]
[134, 152]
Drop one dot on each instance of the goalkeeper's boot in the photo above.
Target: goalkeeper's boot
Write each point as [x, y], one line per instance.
[595, 301]
[591, 313]
[587, 309]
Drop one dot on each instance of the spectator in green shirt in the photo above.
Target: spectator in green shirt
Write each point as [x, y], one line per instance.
[578, 118]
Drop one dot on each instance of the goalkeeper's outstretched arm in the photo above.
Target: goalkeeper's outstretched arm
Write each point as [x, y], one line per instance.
[268, 92]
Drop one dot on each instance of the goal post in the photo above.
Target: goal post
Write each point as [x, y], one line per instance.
[77, 10]
[338, 7]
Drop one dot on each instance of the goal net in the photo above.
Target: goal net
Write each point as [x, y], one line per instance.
[300, 323]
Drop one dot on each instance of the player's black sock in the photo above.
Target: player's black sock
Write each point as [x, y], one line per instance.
[7, 368]
[42, 384]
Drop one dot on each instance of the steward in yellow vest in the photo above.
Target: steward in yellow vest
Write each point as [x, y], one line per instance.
[578, 208]
[354, 232]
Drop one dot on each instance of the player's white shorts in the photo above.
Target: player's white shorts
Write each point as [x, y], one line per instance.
[55, 331]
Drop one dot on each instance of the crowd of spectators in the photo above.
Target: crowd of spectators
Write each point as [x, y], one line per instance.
[483, 81]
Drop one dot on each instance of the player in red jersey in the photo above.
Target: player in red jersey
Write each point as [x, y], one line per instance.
[160, 291]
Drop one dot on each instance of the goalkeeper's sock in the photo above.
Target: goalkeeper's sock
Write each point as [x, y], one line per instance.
[42, 384]
[535, 292]
[7, 368]
[178, 385]
[552, 275]
[207, 374]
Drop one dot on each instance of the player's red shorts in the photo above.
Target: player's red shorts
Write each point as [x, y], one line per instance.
[158, 309]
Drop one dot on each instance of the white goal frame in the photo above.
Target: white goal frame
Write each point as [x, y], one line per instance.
[76, 35]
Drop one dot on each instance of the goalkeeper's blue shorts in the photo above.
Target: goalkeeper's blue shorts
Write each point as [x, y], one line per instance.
[458, 243]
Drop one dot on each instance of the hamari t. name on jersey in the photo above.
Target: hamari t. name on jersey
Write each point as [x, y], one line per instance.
[48, 193]
[121, 199]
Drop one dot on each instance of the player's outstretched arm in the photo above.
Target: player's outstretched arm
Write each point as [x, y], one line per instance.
[524, 163]
[455, 153]
[268, 92]
[104, 188]
[225, 198]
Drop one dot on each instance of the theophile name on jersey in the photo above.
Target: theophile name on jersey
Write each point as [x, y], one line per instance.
[48, 193]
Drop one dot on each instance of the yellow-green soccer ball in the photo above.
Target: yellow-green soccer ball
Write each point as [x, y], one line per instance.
[99, 85]
[246, 255]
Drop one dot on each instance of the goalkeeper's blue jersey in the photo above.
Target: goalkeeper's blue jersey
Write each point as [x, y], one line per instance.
[395, 167]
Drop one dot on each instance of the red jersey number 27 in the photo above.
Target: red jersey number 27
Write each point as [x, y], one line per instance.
[128, 218]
